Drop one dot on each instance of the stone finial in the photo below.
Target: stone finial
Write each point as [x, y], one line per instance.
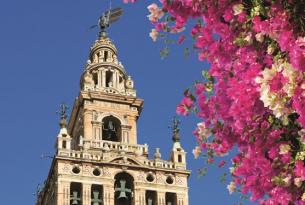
[157, 154]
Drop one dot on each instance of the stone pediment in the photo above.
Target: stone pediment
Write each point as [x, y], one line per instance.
[125, 161]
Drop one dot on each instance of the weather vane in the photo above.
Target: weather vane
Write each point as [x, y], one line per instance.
[63, 111]
[109, 17]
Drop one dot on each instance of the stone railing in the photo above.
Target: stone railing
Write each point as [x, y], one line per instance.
[104, 145]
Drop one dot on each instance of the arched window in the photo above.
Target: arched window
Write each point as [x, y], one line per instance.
[111, 129]
[124, 189]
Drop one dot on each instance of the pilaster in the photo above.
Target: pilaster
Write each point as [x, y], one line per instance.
[108, 195]
[87, 124]
[99, 79]
[161, 198]
[86, 197]
[63, 195]
[114, 80]
[139, 197]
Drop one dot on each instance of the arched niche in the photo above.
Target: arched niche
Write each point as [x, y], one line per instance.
[123, 189]
[111, 129]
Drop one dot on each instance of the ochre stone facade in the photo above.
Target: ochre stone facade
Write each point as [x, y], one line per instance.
[98, 160]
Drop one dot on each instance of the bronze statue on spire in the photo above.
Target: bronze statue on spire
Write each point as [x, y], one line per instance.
[107, 18]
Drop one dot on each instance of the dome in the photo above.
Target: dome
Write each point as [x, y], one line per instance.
[103, 42]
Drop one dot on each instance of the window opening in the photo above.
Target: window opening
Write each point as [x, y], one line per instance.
[171, 198]
[111, 129]
[105, 55]
[64, 144]
[151, 197]
[75, 193]
[179, 158]
[95, 78]
[96, 194]
[109, 76]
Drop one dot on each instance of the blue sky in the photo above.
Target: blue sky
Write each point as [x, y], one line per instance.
[43, 47]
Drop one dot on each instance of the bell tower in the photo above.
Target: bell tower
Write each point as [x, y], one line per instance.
[98, 160]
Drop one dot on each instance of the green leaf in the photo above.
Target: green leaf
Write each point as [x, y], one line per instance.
[223, 178]
[164, 53]
[186, 52]
[202, 172]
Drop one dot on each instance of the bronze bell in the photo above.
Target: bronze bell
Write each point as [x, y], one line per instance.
[122, 195]
[149, 201]
[95, 200]
[74, 198]
[123, 190]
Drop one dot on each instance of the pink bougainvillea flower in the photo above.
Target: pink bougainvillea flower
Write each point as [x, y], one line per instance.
[185, 106]
[221, 163]
[299, 169]
[255, 98]
[181, 39]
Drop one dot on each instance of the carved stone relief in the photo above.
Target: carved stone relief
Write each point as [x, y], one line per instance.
[66, 169]
[86, 170]
[106, 172]
[159, 178]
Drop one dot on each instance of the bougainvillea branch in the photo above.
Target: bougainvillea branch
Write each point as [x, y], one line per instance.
[253, 96]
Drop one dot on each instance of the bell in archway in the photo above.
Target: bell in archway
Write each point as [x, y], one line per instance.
[74, 198]
[149, 201]
[95, 200]
[123, 190]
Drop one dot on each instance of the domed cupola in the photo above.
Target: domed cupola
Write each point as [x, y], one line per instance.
[104, 72]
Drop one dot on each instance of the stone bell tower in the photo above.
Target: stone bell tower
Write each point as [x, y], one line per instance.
[98, 160]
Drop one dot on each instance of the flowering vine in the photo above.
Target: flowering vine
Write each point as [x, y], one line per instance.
[253, 96]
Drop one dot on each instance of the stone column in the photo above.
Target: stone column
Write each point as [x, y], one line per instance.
[139, 197]
[108, 195]
[63, 195]
[86, 194]
[103, 78]
[101, 57]
[161, 198]
[117, 79]
[99, 79]
[114, 81]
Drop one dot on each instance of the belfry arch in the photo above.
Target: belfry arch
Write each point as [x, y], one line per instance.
[124, 189]
[111, 129]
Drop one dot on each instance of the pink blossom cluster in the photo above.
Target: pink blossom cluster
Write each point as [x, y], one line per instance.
[253, 96]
